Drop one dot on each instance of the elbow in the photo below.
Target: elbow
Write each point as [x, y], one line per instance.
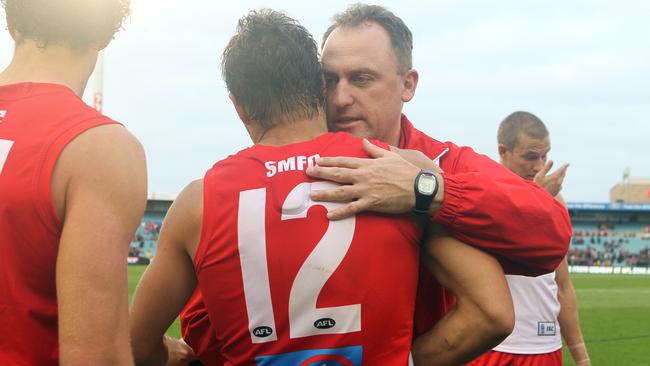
[497, 322]
[501, 322]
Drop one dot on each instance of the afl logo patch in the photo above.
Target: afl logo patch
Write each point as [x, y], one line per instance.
[3, 114]
[262, 331]
[324, 323]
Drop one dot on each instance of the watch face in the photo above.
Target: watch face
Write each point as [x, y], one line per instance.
[426, 184]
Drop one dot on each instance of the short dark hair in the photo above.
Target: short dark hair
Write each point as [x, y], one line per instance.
[78, 23]
[271, 66]
[520, 122]
[400, 35]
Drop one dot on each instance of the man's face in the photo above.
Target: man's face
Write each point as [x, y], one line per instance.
[528, 156]
[365, 91]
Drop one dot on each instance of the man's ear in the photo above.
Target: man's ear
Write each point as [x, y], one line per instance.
[410, 83]
[10, 26]
[502, 151]
[241, 112]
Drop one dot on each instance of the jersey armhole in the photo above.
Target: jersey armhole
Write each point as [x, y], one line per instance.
[45, 207]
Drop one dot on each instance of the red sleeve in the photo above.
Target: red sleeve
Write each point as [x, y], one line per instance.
[198, 333]
[488, 206]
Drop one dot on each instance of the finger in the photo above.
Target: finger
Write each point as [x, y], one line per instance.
[561, 173]
[340, 162]
[564, 168]
[348, 210]
[373, 150]
[339, 194]
[338, 175]
[547, 167]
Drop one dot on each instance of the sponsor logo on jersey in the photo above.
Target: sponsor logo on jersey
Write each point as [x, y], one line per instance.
[262, 331]
[324, 323]
[347, 356]
[545, 328]
[3, 114]
[289, 164]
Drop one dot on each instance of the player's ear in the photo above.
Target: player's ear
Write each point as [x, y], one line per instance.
[241, 112]
[502, 151]
[410, 83]
[10, 26]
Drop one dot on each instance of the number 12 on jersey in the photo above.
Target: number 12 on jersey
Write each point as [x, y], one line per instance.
[5, 146]
[305, 319]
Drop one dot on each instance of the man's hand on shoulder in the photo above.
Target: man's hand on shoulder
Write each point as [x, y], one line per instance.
[551, 183]
[383, 183]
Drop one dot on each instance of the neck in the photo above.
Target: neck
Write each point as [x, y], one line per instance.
[292, 132]
[54, 64]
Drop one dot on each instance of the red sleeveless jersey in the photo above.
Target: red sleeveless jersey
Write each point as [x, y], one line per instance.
[284, 285]
[36, 122]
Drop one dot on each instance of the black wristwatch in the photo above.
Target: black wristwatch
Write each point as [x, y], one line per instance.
[426, 187]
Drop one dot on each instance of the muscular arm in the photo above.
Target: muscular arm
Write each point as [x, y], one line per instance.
[99, 189]
[168, 283]
[483, 315]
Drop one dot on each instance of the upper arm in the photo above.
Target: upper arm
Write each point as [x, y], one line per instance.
[104, 176]
[170, 279]
[470, 274]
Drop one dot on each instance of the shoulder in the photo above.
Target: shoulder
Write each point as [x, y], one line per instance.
[106, 162]
[104, 143]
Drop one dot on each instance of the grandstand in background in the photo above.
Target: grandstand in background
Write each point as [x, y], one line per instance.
[145, 240]
[612, 235]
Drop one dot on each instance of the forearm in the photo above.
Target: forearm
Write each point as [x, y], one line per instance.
[157, 354]
[570, 325]
[459, 337]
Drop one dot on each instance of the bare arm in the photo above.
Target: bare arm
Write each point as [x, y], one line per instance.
[568, 318]
[484, 313]
[99, 188]
[168, 283]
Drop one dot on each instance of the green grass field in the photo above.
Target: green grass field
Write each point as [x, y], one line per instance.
[614, 312]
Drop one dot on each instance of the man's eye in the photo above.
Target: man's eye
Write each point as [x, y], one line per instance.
[331, 80]
[362, 79]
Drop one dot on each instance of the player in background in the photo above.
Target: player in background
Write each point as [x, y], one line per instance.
[369, 77]
[545, 306]
[282, 283]
[72, 191]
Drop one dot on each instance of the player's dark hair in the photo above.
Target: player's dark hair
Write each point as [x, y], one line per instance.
[271, 66]
[77, 23]
[400, 35]
[516, 123]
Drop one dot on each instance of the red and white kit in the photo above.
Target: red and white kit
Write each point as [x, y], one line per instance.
[283, 284]
[36, 122]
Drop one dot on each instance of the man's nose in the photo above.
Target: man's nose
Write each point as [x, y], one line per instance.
[341, 95]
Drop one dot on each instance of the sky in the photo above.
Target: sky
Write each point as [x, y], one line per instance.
[583, 67]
